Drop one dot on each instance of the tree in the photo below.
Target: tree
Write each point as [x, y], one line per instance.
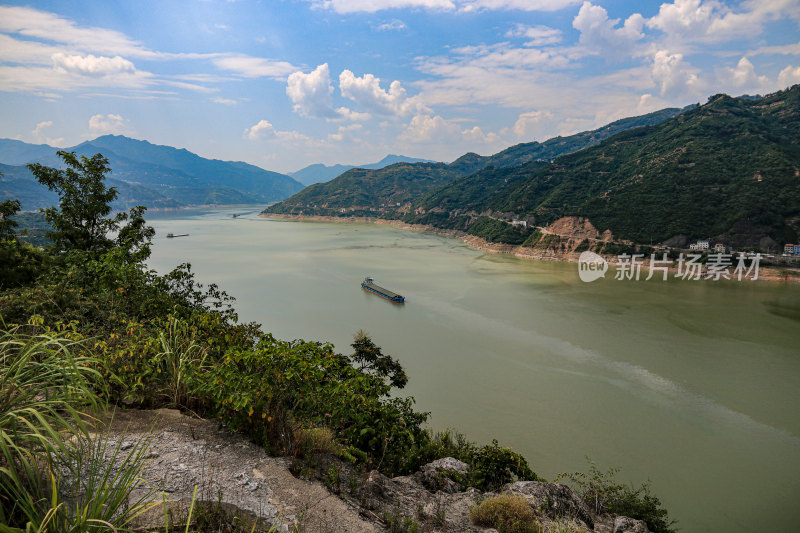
[8, 209]
[370, 359]
[80, 222]
[84, 202]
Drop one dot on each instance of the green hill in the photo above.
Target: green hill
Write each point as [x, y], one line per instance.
[147, 174]
[728, 170]
[390, 190]
[363, 191]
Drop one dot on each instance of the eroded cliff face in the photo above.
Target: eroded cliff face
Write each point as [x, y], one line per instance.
[237, 476]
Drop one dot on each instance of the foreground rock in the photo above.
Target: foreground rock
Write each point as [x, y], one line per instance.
[186, 452]
[238, 476]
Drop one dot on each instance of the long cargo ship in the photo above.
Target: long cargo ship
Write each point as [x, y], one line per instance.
[369, 284]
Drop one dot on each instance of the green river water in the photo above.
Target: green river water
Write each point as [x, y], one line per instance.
[695, 385]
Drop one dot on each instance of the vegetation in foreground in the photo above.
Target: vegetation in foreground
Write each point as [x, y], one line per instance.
[86, 325]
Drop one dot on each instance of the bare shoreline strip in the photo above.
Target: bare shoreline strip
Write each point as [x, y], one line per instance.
[764, 274]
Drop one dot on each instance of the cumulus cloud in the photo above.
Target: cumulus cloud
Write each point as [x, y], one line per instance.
[108, 124]
[367, 92]
[601, 34]
[536, 35]
[264, 130]
[744, 76]
[788, 77]
[312, 93]
[91, 65]
[532, 123]
[672, 75]
[713, 21]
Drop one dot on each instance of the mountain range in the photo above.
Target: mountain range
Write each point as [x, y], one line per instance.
[319, 173]
[728, 170]
[143, 173]
[395, 186]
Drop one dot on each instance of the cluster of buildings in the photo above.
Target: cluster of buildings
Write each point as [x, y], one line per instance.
[706, 245]
[791, 249]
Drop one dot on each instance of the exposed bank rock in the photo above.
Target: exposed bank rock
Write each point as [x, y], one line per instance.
[552, 500]
[443, 474]
[187, 452]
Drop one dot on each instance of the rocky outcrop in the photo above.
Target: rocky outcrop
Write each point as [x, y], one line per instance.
[574, 227]
[187, 452]
[552, 500]
[443, 474]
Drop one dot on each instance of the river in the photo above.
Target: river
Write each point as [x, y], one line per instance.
[694, 385]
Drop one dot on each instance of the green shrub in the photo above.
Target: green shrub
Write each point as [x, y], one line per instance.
[604, 494]
[506, 513]
[493, 467]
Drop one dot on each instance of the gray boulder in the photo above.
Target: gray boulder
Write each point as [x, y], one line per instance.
[623, 524]
[443, 474]
[553, 500]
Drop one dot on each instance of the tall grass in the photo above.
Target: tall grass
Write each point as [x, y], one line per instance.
[55, 475]
[180, 354]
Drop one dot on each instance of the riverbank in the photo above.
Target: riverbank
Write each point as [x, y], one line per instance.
[565, 253]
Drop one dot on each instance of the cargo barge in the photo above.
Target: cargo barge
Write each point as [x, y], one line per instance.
[369, 284]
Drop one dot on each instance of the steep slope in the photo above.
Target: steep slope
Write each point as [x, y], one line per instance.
[359, 192]
[534, 151]
[728, 170]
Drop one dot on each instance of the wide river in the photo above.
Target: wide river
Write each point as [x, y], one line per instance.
[694, 385]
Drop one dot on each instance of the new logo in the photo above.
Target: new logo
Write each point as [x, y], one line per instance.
[591, 266]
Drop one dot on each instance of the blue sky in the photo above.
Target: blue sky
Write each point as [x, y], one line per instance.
[282, 84]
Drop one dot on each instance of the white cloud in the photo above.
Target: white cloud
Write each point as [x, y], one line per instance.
[372, 6]
[673, 76]
[37, 131]
[394, 25]
[522, 5]
[744, 76]
[343, 131]
[788, 77]
[108, 124]
[536, 35]
[532, 123]
[33, 23]
[254, 67]
[224, 101]
[353, 116]
[787, 49]
[40, 137]
[264, 130]
[312, 93]
[426, 128]
[367, 92]
[601, 34]
[713, 21]
[91, 65]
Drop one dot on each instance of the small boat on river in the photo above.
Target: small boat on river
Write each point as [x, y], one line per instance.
[370, 285]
